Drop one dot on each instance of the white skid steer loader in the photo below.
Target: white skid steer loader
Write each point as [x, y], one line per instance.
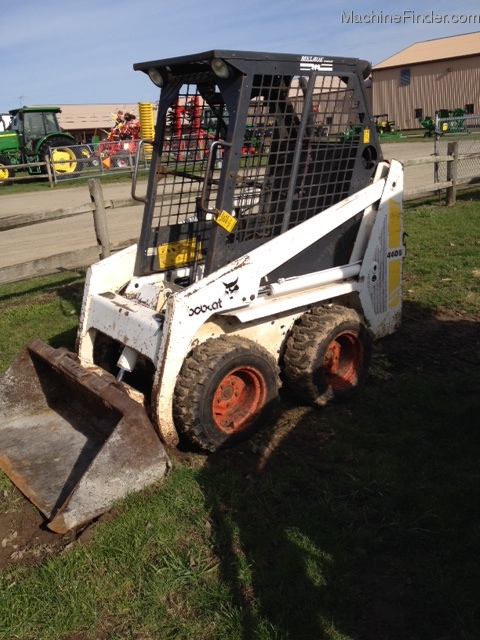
[271, 248]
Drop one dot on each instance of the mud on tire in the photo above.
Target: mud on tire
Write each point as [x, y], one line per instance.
[327, 355]
[226, 388]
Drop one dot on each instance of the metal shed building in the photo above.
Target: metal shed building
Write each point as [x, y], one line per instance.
[87, 120]
[426, 77]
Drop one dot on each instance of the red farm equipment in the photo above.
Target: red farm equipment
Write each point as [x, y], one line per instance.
[120, 146]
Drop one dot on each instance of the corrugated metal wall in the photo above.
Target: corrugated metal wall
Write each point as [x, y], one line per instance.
[443, 84]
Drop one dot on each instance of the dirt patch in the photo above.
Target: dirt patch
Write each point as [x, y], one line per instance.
[24, 537]
[431, 345]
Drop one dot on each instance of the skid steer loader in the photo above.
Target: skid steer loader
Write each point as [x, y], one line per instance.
[278, 259]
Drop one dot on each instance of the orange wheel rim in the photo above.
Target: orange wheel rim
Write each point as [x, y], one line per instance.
[342, 361]
[238, 399]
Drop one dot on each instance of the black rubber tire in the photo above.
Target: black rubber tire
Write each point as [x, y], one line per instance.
[226, 389]
[95, 162]
[327, 355]
[55, 143]
[10, 173]
[123, 161]
[119, 162]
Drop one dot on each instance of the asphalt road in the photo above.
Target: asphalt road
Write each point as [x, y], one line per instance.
[50, 238]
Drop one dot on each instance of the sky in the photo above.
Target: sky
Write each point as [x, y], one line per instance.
[82, 52]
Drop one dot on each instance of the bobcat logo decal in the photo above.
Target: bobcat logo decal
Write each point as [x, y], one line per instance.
[231, 288]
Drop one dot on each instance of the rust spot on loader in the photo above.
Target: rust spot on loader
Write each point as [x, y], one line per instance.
[72, 440]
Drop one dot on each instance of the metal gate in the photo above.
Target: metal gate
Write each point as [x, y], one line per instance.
[465, 131]
[90, 160]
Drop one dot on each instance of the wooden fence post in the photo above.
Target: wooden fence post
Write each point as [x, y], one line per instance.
[49, 173]
[451, 192]
[99, 216]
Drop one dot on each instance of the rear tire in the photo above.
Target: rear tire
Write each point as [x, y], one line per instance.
[64, 157]
[5, 173]
[226, 388]
[327, 355]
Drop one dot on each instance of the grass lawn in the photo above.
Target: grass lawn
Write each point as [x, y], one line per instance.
[355, 522]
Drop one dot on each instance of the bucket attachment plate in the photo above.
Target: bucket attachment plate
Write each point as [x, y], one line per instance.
[71, 438]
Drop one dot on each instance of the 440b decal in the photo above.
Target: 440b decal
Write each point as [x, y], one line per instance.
[396, 253]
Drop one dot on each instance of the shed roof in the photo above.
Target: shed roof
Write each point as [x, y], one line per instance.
[92, 116]
[467, 44]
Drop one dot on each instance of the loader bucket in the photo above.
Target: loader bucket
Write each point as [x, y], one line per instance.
[72, 439]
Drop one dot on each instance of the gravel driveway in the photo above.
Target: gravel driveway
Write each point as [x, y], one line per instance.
[50, 238]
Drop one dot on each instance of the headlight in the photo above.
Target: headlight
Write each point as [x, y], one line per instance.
[220, 68]
[156, 77]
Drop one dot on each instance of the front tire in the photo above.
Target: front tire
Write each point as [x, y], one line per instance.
[226, 389]
[5, 172]
[327, 355]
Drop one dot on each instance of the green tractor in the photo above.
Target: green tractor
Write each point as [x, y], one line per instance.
[32, 135]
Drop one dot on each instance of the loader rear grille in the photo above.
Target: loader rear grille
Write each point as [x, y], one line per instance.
[294, 146]
[306, 160]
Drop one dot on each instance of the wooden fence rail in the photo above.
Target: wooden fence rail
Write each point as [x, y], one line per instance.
[451, 184]
[35, 176]
[97, 206]
[78, 257]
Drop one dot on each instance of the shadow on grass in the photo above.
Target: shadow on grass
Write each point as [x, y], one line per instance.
[66, 284]
[362, 521]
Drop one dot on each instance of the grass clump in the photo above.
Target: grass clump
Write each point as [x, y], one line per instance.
[443, 245]
[46, 308]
